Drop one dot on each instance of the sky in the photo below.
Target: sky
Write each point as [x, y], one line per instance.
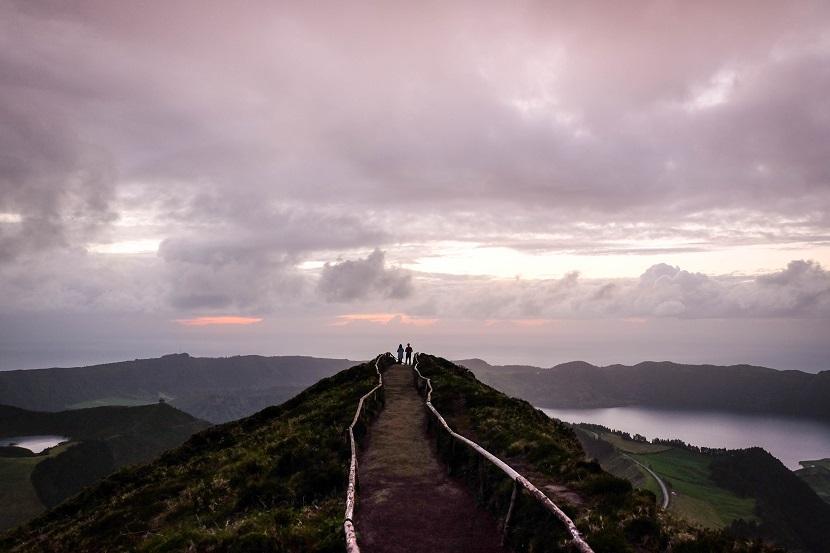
[526, 182]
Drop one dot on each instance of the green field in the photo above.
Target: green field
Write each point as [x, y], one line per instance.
[692, 494]
[615, 459]
[695, 497]
[18, 500]
[817, 475]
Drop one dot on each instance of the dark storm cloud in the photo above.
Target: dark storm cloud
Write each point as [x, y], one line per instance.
[363, 278]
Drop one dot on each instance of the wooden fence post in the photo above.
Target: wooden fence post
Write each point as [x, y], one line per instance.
[506, 527]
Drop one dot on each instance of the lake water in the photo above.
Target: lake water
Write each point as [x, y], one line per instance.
[789, 439]
[35, 444]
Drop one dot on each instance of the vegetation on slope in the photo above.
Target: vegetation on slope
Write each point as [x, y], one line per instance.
[748, 491]
[132, 434]
[789, 511]
[695, 497]
[614, 516]
[103, 439]
[611, 452]
[274, 481]
[18, 499]
[817, 475]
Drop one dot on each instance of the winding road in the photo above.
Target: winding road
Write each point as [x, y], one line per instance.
[663, 489]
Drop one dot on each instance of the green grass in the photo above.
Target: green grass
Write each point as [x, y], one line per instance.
[272, 482]
[631, 446]
[612, 457]
[824, 463]
[698, 499]
[645, 480]
[613, 516]
[817, 475]
[18, 500]
[117, 401]
[633, 472]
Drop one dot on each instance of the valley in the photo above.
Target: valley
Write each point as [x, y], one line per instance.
[95, 442]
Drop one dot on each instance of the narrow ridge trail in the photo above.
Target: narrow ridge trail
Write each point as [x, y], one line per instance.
[406, 502]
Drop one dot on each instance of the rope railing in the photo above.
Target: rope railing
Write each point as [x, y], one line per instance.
[348, 519]
[519, 481]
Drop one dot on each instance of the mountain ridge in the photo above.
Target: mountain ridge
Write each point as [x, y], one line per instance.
[737, 388]
[217, 389]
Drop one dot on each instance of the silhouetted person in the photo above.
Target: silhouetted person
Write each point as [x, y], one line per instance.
[400, 354]
[408, 351]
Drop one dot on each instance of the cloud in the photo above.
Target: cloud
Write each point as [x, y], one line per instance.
[57, 190]
[802, 290]
[363, 278]
[250, 142]
[202, 276]
[249, 259]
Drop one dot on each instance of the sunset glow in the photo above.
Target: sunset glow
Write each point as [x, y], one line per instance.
[383, 318]
[226, 320]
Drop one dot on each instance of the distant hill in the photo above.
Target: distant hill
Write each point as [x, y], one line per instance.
[131, 432]
[741, 388]
[790, 512]
[103, 439]
[213, 389]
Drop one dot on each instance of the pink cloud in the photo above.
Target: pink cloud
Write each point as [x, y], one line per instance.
[223, 320]
[383, 318]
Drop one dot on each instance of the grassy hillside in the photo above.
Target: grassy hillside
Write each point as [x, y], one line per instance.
[737, 388]
[213, 389]
[614, 516]
[615, 460]
[748, 491]
[271, 482]
[103, 439]
[694, 496]
[18, 499]
[817, 475]
[692, 493]
[789, 512]
[131, 432]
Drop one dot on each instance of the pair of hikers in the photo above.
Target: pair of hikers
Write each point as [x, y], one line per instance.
[408, 351]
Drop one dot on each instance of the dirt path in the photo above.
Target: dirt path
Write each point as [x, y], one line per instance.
[406, 502]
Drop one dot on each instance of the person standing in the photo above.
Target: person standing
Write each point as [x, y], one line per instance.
[400, 354]
[408, 351]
